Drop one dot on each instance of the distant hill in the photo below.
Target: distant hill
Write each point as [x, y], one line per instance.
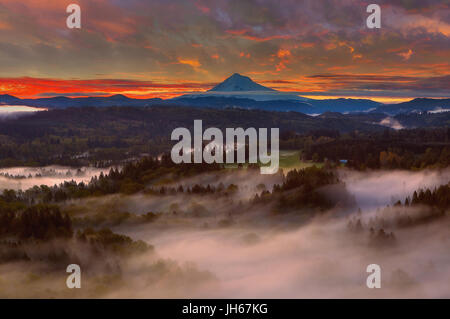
[9, 99]
[424, 120]
[161, 120]
[222, 102]
[61, 102]
[416, 105]
[274, 102]
[402, 120]
[241, 101]
[238, 91]
[344, 105]
[113, 134]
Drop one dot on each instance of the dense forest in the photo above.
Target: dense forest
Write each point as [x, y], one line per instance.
[404, 149]
[130, 179]
[298, 189]
[99, 225]
[39, 216]
[78, 136]
[112, 135]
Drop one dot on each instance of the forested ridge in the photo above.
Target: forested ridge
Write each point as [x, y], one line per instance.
[111, 135]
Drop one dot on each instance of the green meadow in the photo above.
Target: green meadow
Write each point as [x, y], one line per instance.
[289, 159]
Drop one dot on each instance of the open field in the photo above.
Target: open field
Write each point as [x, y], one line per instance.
[289, 160]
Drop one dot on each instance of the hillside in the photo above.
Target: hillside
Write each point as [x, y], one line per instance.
[118, 133]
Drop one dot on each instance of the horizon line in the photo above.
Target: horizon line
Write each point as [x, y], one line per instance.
[379, 99]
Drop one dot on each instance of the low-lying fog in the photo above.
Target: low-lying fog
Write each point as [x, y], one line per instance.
[26, 177]
[15, 111]
[320, 259]
[380, 188]
[257, 256]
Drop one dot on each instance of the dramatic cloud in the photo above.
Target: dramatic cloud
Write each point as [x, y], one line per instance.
[205, 41]
[40, 87]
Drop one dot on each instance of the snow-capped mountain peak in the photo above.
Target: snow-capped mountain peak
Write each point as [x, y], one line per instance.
[239, 83]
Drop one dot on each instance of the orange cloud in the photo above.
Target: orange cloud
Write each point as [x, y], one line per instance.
[283, 53]
[419, 21]
[406, 55]
[284, 56]
[192, 62]
[243, 33]
[27, 87]
[308, 45]
[264, 39]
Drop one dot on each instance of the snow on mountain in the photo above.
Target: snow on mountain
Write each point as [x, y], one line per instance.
[239, 86]
[239, 83]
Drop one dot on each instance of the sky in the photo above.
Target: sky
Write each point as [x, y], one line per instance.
[160, 48]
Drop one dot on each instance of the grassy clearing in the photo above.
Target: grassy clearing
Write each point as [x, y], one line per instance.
[288, 160]
[291, 160]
